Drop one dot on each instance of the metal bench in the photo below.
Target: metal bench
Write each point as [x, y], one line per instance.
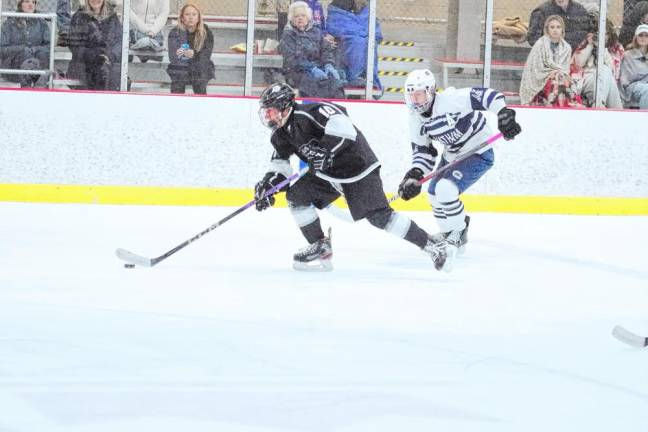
[448, 63]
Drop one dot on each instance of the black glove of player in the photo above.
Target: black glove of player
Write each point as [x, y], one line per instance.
[319, 159]
[506, 123]
[269, 181]
[410, 186]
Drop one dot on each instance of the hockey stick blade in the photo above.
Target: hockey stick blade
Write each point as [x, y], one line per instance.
[629, 338]
[139, 260]
[132, 258]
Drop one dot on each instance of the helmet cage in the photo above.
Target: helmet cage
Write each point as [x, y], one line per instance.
[420, 80]
[279, 97]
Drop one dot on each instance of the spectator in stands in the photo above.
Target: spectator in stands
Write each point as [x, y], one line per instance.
[634, 69]
[546, 73]
[309, 61]
[636, 13]
[348, 22]
[577, 22]
[95, 42]
[25, 45]
[584, 66]
[319, 18]
[190, 48]
[147, 19]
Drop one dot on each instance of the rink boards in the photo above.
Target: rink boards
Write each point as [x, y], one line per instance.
[179, 150]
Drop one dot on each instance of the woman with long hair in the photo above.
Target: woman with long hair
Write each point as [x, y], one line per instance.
[95, 42]
[190, 47]
[585, 65]
[546, 74]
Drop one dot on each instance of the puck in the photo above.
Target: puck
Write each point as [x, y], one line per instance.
[129, 265]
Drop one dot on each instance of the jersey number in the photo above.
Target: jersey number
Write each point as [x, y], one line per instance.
[327, 111]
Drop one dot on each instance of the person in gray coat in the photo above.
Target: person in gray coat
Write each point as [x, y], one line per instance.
[634, 69]
[95, 42]
[25, 44]
[309, 59]
[575, 16]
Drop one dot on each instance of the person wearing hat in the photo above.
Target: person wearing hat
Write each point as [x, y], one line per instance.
[634, 13]
[634, 69]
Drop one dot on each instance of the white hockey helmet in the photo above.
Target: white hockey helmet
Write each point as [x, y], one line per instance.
[420, 89]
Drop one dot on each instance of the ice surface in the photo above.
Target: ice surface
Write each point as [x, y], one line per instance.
[225, 336]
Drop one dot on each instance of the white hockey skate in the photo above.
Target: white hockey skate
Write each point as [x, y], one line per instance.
[316, 257]
[438, 252]
[458, 239]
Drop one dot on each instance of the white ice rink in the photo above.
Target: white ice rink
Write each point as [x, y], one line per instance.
[225, 336]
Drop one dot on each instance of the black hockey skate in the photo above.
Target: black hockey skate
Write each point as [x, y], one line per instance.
[315, 257]
[439, 255]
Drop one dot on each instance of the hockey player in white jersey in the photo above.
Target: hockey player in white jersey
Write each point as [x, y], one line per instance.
[453, 119]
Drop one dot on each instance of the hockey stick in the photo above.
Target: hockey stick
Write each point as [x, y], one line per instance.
[630, 338]
[452, 164]
[142, 261]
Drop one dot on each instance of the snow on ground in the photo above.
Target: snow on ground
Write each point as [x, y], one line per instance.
[225, 336]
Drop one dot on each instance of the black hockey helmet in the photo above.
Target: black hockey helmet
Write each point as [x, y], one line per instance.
[274, 101]
[277, 95]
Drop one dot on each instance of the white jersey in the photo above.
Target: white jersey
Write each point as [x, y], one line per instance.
[457, 123]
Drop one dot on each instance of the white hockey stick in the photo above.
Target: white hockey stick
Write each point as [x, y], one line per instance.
[630, 338]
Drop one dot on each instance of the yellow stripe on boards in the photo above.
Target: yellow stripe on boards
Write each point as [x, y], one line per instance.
[145, 195]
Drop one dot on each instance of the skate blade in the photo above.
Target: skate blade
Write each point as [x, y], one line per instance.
[324, 265]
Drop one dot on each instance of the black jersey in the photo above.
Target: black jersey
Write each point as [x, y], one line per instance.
[328, 126]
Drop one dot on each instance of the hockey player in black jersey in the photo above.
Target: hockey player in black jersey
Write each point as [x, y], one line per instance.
[340, 162]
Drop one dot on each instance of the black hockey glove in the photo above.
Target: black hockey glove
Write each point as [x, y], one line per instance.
[410, 186]
[319, 159]
[506, 123]
[269, 181]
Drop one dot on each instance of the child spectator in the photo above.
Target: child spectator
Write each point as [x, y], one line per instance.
[584, 67]
[309, 61]
[95, 42]
[574, 15]
[348, 22]
[546, 74]
[25, 45]
[190, 48]
[634, 69]
[147, 19]
[634, 14]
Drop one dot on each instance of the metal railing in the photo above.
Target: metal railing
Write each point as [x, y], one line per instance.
[432, 24]
[46, 16]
